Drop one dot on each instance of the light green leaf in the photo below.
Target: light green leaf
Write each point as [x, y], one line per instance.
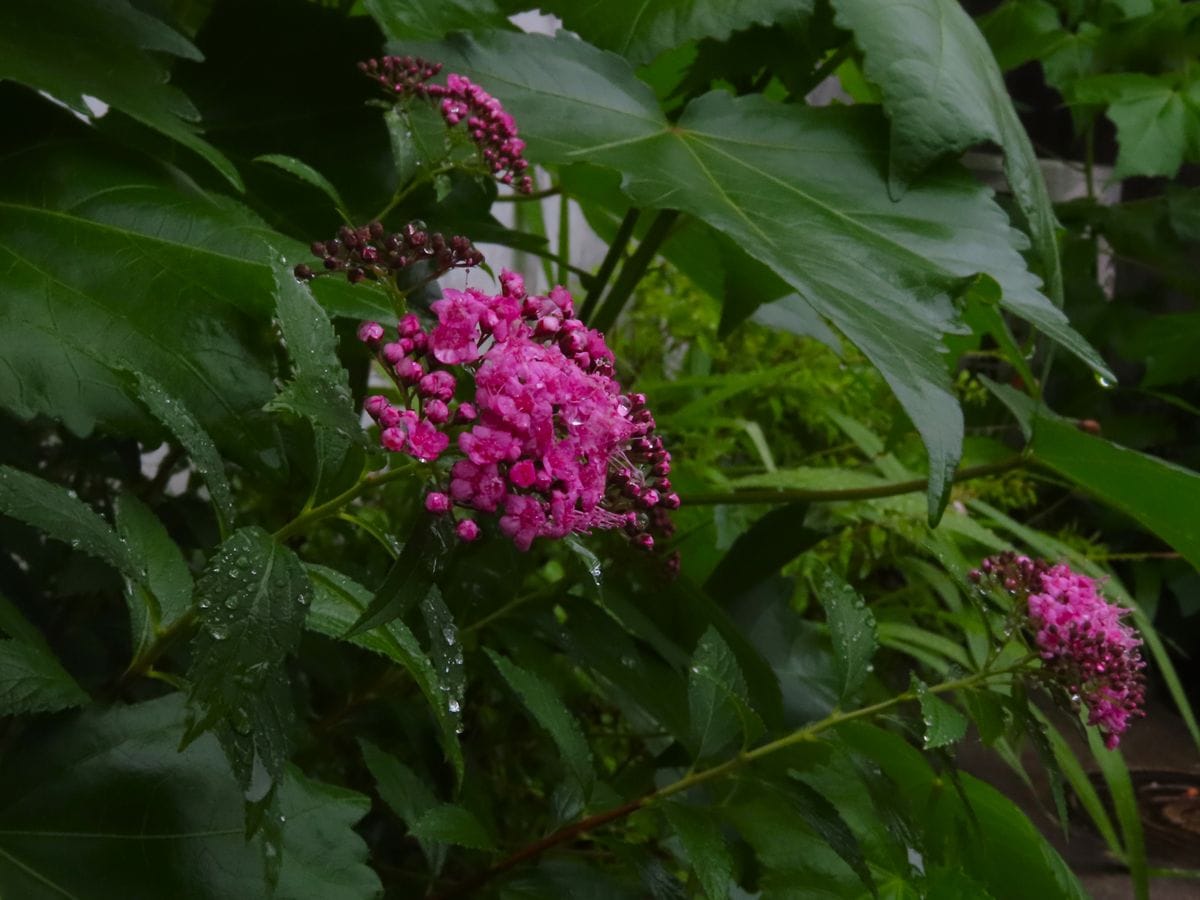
[548, 708]
[641, 29]
[137, 817]
[943, 723]
[944, 93]
[338, 602]
[1158, 123]
[718, 701]
[404, 791]
[251, 602]
[112, 57]
[882, 270]
[704, 846]
[1125, 805]
[1021, 30]
[64, 517]
[305, 173]
[851, 628]
[450, 824]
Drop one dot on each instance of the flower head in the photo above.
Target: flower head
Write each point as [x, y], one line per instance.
[547, 442]
[1084, 644]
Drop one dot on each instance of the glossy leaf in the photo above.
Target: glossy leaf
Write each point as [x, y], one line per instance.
[852, 630]
[641, 29]
[64, 517]
[445, 650]
[718, 702]
[943, 723]
[112, 792]
[32, 680]
[167, 573]
[450, 824]
[113, 58]
[433, 19]
[704, 846]
[409, 579]
[338, 602]
[882, 270]
[251, 603]
[944, 93]
[547, 707]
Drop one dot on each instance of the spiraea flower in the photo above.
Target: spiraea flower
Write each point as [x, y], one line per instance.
[516, 397]
[1084, 644]
[460, 101]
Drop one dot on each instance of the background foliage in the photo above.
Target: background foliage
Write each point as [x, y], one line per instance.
[235, 660]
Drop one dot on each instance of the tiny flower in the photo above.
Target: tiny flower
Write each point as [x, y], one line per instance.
[437, 412]
[467, 530]
[370, 332]
[437, 503]
[394, 439]
[375, 404]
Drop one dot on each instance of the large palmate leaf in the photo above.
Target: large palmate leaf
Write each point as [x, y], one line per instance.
[803, 191]
[106, 51]
[944, 93]
[108, 264]
[135, 817]
[641, 29]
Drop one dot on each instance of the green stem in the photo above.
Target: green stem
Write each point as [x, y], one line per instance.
[807, 733]
[633, 270]
[552, 191]
[816, 495]
[564, 238]
[333, 507]
[615, 251]
[402, 194]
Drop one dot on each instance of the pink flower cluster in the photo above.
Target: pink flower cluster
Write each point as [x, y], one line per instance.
[544, 438]
[490, 127]
[1083, 642]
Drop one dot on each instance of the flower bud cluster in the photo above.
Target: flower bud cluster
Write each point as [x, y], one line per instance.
[492, 129]
[543, 437]
[369, 252]
[1084, 644]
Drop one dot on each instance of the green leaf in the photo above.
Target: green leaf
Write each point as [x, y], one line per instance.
[450, 824]
[445, 650]
[944, 93]
[883, 271]
[1021, 30]
[111, 792]
[943, 723]
[112, 57]
[167, 573]
[851, 628]
[409, 579]
[823, 817]
[706, 850]
[319, 389]
[305, 173]
[1125, 805]
[1158, 494]
[641, 29]
[64, 517]
[1158, 123]
[718, 701]
[761, 551]
[203, 453]
[72, 216]
[540, 697]
[338, 602]
[32, 680]
[432, 19]
[251, 602]
[404, 791]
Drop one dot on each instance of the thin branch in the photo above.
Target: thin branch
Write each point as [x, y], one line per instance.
[334, 506]
[807, 733]
[552, 191]
[633, 270]
[816, 495]
[609, 264]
